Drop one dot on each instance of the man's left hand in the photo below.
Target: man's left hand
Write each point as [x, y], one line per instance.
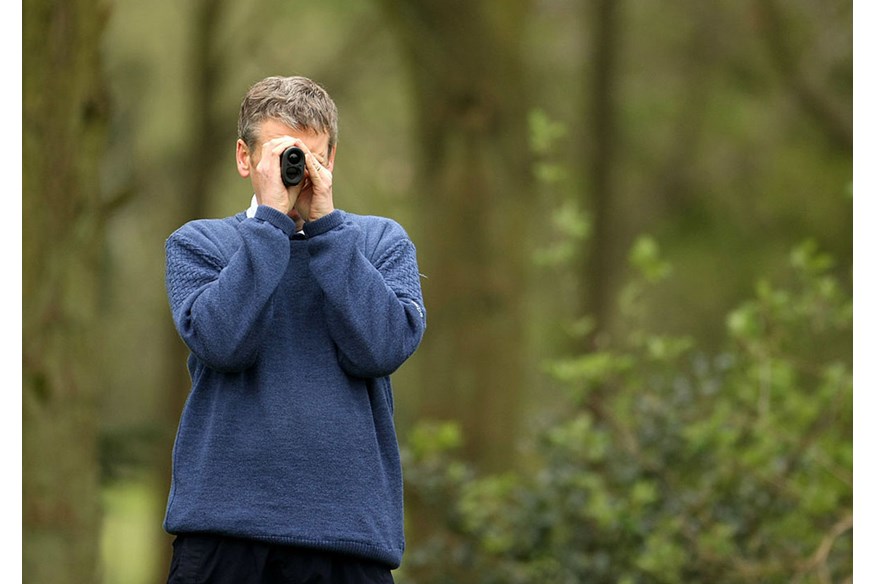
[315, 199]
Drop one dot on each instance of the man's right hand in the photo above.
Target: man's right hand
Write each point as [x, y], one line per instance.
[266, 180]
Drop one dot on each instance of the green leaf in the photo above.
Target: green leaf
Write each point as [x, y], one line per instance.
[645, 256]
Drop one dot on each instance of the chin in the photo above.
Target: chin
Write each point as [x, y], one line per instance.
[299, 222]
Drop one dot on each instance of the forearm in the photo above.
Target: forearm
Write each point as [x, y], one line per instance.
[220, 307]
[375, 310]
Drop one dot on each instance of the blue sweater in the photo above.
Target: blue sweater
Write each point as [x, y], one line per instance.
[287, 435]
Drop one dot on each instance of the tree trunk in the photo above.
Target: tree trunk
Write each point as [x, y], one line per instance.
[474, 176]
[64, 123]
[208, 151]
[601, 130]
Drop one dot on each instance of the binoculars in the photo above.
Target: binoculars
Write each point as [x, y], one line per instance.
[292, 166]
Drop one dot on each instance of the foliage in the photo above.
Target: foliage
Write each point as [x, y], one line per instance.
[568, 225]
[725, 152]
[668, 465]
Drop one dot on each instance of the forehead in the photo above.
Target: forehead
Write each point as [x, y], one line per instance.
[316, 142]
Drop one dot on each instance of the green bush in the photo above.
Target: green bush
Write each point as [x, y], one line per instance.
[667, 465]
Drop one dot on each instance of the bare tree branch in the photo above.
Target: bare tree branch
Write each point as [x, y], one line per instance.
[832, 118]
[818, 561]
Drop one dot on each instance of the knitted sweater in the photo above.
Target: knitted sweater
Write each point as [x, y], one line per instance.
[287, 435]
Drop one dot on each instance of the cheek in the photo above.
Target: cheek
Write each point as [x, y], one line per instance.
[254, 161]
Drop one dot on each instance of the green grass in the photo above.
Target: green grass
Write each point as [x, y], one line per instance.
[132, 537]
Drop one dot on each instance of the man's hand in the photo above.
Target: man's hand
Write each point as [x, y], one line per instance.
[308, 200]
[266, 180]
[315, 199]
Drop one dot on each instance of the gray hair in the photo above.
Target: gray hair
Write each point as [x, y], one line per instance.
[297, 102]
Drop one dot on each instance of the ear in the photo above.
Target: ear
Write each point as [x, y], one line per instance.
[330, 163]
[244, 160]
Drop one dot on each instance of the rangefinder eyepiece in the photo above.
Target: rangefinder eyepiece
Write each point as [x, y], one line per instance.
[292, 166]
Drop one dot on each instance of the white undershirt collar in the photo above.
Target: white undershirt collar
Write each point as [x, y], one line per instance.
[253, 205]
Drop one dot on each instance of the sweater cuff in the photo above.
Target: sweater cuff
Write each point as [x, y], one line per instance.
[323, 224]
[276, 218]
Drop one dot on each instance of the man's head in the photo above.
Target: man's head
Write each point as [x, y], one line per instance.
[296, 102]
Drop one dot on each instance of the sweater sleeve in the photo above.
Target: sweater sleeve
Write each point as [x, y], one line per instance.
[220, 306]
[374, 311]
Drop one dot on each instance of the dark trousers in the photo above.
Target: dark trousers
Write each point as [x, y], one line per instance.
[212, 559]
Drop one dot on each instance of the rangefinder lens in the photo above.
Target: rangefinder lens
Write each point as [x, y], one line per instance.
[292, 166]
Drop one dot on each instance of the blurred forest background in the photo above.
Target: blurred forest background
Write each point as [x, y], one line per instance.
[634, 221]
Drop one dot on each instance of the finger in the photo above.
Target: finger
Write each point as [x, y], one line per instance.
[270, 155]
[319, 174]
[313, 165]
[279, 145]
[313, 168]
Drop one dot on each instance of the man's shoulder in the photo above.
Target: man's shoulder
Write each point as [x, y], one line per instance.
[213, 227]
[208, 233]
[381, 234]
[377, 227]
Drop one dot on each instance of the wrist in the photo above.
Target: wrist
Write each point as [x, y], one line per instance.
[316, 214]
[324, 224]
[279, 200]
[280, 208]
[275, 203]
[276, 218]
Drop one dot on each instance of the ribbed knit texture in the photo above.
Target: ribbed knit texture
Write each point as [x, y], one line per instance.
[287, 435]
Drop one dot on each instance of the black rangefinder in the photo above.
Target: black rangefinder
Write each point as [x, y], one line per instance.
[292, 166]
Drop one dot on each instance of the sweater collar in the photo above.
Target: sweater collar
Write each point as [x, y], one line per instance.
[253, 205]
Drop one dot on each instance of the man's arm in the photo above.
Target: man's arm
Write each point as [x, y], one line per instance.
[221, 307]
[374, 311]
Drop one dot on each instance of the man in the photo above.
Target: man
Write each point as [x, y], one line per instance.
[286, 464]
